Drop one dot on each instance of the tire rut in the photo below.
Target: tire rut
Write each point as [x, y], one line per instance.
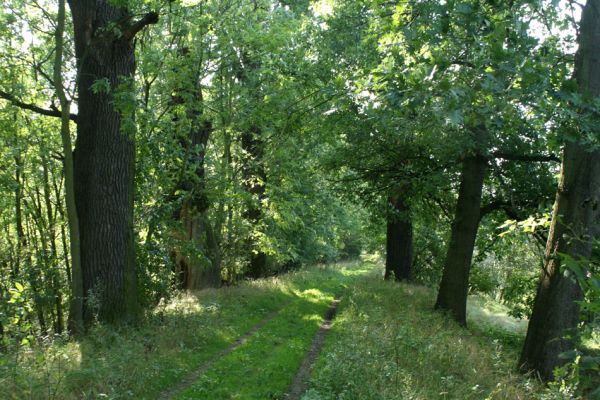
[198, 372]
[300, 382]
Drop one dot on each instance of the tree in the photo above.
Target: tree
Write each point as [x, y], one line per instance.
[399, 240]
[575, 217]
[104, 161]
[75, 323]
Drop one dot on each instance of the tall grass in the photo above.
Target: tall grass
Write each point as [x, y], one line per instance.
[388, 343]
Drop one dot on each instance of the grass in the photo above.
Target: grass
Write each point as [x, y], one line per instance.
[388, 343]
[263, 368]
[176, 339]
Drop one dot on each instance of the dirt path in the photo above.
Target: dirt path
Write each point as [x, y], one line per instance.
[300, 382]
[198, 372]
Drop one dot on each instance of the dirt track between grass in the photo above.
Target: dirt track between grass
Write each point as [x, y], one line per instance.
[299, 385]
[192, 377]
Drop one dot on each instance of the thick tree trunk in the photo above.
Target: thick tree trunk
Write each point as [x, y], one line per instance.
[399, 243]
[574, 227]
[199, 265]
[104, 158]
[454, 287]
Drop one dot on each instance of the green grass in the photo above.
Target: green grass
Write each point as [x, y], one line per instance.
[388, 343]
[177, 338]
[263, 368]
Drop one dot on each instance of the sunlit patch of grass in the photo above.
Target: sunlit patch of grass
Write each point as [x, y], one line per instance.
[264, 366]
[177, 336]
[484, 311]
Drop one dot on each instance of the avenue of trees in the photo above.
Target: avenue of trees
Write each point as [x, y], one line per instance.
[148, 147]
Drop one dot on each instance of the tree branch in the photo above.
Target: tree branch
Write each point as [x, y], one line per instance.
[526, 157]
[133, 29]
[496, 205]
[54, 112]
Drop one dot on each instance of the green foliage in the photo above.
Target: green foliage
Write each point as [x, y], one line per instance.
[519, 292]
[101, 86]
[585, 272]
[482, 281]
[15, 313]
[579, 375]
[346, 103]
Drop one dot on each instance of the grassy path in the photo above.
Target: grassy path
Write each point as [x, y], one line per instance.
[268, 339]
[265, 365]
[192, 377]
[387, 342]
[243, 342]
[300, 382]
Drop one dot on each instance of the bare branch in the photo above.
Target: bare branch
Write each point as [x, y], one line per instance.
[148, 19]
[53, 112]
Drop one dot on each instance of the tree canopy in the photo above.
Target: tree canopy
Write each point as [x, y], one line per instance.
[152, 147]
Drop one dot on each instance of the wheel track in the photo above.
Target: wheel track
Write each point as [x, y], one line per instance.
[300, 382]
[192, 377]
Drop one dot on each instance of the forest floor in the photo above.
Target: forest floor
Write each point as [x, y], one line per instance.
[276, 338]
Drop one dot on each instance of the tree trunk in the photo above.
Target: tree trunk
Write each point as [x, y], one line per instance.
[198, 261]
[574, 226]
[104, 158]
[454, 287]
[253, 171]
[54, 264]
[21, 240]
[74, 274]
[34, 273]
[254, 181]
[399, 244]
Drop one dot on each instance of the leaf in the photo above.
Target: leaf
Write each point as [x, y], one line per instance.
[19, 287]
[100, 86]
[590, 362]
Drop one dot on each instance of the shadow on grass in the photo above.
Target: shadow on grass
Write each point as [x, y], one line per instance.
[181, 336]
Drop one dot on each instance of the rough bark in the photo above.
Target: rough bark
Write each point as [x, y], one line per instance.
[399, 241]
[454, 287]
[104, 159]
[574, 226]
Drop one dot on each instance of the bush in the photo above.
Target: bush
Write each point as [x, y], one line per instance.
[519, 291]
[482, 281]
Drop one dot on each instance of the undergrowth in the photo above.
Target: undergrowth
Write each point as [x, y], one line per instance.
[177, 337]
[388, 343]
